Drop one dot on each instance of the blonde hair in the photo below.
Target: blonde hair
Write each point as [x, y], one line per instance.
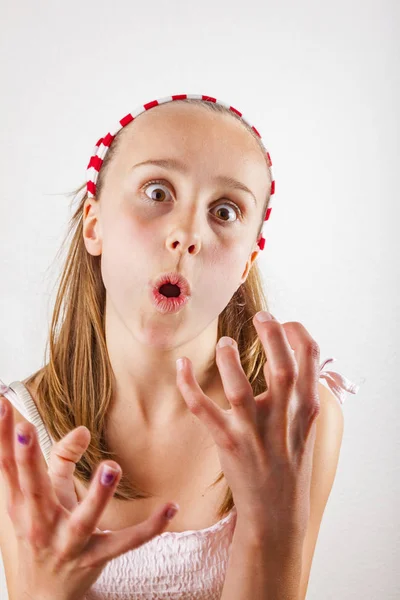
[75, 386]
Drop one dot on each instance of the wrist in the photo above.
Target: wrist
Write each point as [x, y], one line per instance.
[286, 549]
[289, 542]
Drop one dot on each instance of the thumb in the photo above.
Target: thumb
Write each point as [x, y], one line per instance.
[64, 455]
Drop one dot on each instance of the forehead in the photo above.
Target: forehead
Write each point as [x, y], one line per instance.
[208, 140]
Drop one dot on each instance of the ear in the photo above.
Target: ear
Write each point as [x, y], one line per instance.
[249, 263]
[91, 227]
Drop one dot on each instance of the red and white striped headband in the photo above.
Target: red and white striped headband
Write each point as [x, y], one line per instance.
[104, 143]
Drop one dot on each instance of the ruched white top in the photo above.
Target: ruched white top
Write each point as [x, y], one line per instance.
[187, 565]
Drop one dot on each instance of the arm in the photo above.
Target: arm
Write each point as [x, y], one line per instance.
[249, 564]
[254, 573]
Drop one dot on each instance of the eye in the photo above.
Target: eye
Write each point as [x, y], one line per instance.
[158, 197]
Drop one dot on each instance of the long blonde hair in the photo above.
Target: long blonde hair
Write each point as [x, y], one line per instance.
[74, 387]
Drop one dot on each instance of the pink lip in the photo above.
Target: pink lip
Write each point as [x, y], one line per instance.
[174, 278]
[172, 304]
[168, 305]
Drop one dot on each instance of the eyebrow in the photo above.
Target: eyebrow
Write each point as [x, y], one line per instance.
[176, 165]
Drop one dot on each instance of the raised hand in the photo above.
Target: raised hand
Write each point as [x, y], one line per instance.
[265, 443]
[60, 555]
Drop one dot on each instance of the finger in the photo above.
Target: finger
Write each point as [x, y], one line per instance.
[200, 404]
[34, 481]
[266, 363]
[266, 373]
[282, 373]
[106, 546]
[236, 386]
[307, 356]
[84, 518]
[8, 465]
[282, 366]
[64, 456]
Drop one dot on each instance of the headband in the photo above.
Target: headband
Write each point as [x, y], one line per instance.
[100, 149]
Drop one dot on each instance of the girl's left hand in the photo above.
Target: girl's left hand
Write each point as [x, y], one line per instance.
[265, 443]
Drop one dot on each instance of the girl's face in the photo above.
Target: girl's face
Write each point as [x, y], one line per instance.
[186, 221]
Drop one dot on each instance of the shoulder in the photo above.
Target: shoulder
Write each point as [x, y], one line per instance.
[31, 386]
[328, 441]
[329, 430]
[331, 411]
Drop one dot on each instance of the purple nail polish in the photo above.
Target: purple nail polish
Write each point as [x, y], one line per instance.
[108, 476]
[24, 439]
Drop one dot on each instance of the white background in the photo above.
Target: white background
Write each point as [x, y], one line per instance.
[320, 81]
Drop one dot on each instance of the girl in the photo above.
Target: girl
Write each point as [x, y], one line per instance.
[161, 266]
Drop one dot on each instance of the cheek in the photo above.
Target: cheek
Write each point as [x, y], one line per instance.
[128, 237]
[126, 249]
[223, 277]
[131, 232]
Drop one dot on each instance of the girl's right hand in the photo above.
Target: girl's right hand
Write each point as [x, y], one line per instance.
[60, 555]
[64, 456]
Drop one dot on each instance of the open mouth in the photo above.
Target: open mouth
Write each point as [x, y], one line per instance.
[170, 290]
[171, 285]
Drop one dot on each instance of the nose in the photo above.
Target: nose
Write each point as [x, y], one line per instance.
[183, 242]
[184, 235]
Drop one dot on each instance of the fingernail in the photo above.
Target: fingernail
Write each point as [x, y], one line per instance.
[24, 438]
[179, 364]
[108, 475]
[263, 316]
[171, 511]
[225, 341]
